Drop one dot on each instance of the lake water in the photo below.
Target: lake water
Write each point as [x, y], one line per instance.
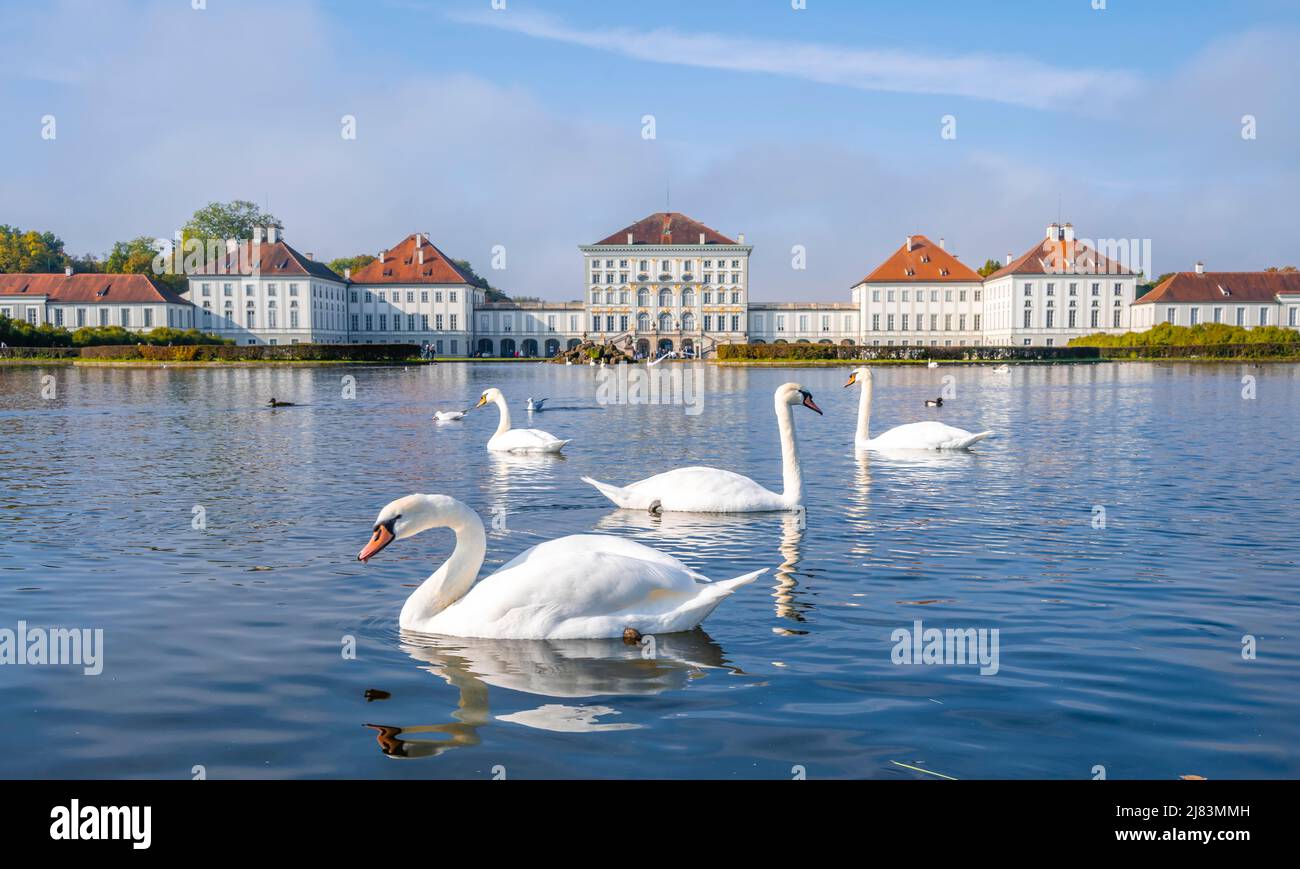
[1119, 646]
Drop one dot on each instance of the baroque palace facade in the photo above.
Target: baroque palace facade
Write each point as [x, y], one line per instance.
[665, 283]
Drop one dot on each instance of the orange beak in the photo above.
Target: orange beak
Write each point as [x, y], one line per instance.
[381, 538]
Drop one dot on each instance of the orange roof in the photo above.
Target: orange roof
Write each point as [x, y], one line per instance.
[274, 258]
[88, 288]
[1224, 286]
[1061, 257]
[667, 227]
[925, 263]
[402, 265]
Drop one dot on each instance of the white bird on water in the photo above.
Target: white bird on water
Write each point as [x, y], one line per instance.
[932, 365]
[517, 440]
[536, 403]
[584, 586]
[928, 435]
[448, 415]
[711, 490]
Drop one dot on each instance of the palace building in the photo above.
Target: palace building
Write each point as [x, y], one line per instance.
[1237, 298]
[665, 283]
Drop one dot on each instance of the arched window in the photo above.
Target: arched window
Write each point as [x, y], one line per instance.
[609, 297]
[595, 297]
[688, 322]
[643, 322]
[665, 322]
[688, 298]
[665, 298]
[643, 297]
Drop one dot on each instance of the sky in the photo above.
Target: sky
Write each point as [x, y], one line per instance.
[840, 127]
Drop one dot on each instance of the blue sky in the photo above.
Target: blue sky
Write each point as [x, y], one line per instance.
[522, 127]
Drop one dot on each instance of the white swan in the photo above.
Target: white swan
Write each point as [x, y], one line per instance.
[710, 490]
[584, 586]
[913, 436]
[932, 365]
[1002, 369]
[517, 440]
[448, 415]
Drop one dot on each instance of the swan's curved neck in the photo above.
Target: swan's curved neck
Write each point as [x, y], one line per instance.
[791, 475]
[504, 425]
[864, 412]
[453, 580]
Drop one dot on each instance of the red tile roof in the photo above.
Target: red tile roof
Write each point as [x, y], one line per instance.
[276, 259]
[1060, 257]
[88, 288]
[667, 227]
[402, 265]
[1210, 286]
[925, 263]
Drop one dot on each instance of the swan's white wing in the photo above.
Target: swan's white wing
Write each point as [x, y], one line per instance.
[529, 440]
[695, 489]
[928, 435]
[584, 585]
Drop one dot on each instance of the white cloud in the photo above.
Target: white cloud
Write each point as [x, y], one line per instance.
[1003, 78]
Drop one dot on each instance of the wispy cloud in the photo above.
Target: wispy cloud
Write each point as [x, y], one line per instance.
[1000, 78]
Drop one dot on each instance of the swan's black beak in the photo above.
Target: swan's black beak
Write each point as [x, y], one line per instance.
[382, 537]
[810, 404]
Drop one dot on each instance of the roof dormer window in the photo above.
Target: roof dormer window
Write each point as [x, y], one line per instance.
[1225, 290]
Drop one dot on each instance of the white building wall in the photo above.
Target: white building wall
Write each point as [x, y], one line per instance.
[948, 314]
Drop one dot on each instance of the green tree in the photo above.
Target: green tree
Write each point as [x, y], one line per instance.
[989, 267]
[350, 262]
[491, 292]
[1144, 288]
[224, 220]
[25, 252]
[136, 257]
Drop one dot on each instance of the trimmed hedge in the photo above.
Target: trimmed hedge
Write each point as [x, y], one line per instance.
[258, 352]
[1258, 350]
[39, 353]
[899, 352]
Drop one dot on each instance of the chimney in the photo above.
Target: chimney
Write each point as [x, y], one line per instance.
[381, 256]
[421, 256]
[270, 234]
[310, 256]
[1053, 231]
[741, 238]
[701, 238]
[909, 244]
[629, 238]
[347, 274]
[941, 242]
[1200, 268]
[1069, 232]
[1009, 258]
[67, 270]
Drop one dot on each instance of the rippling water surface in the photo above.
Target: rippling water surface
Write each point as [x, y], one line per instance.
[1118, 646]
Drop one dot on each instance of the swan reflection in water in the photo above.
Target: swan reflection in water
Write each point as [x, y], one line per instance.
[559, 669]
[722, 532]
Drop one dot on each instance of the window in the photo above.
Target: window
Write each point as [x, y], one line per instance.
[1171, 315]
[370, 322]
[905, 322]
[875, 322]
[1119, 289]
[103, 316]
[875, 295]
[1096, 318]
[1029, 289]
[293, 319]
[148, 318]
[207, 290]
[1290, 315]
[293, 289]
[977, 324]
[126, 317]
[424, 322]
[1218, 315]
[1116, 318]
[355, 326]
[708, 322]
[1263, 316]
[1050, 316]
[1074, 318]
[1028, 318]
[424, 295]
[1096, 289]
[1241, 316]
[453, 322]
[889, 323]
[735, 322]
[780, 322]
[1195, 313]
[451, 296]
[410, 322]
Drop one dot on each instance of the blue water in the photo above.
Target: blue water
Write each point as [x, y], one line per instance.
[1119, 647]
